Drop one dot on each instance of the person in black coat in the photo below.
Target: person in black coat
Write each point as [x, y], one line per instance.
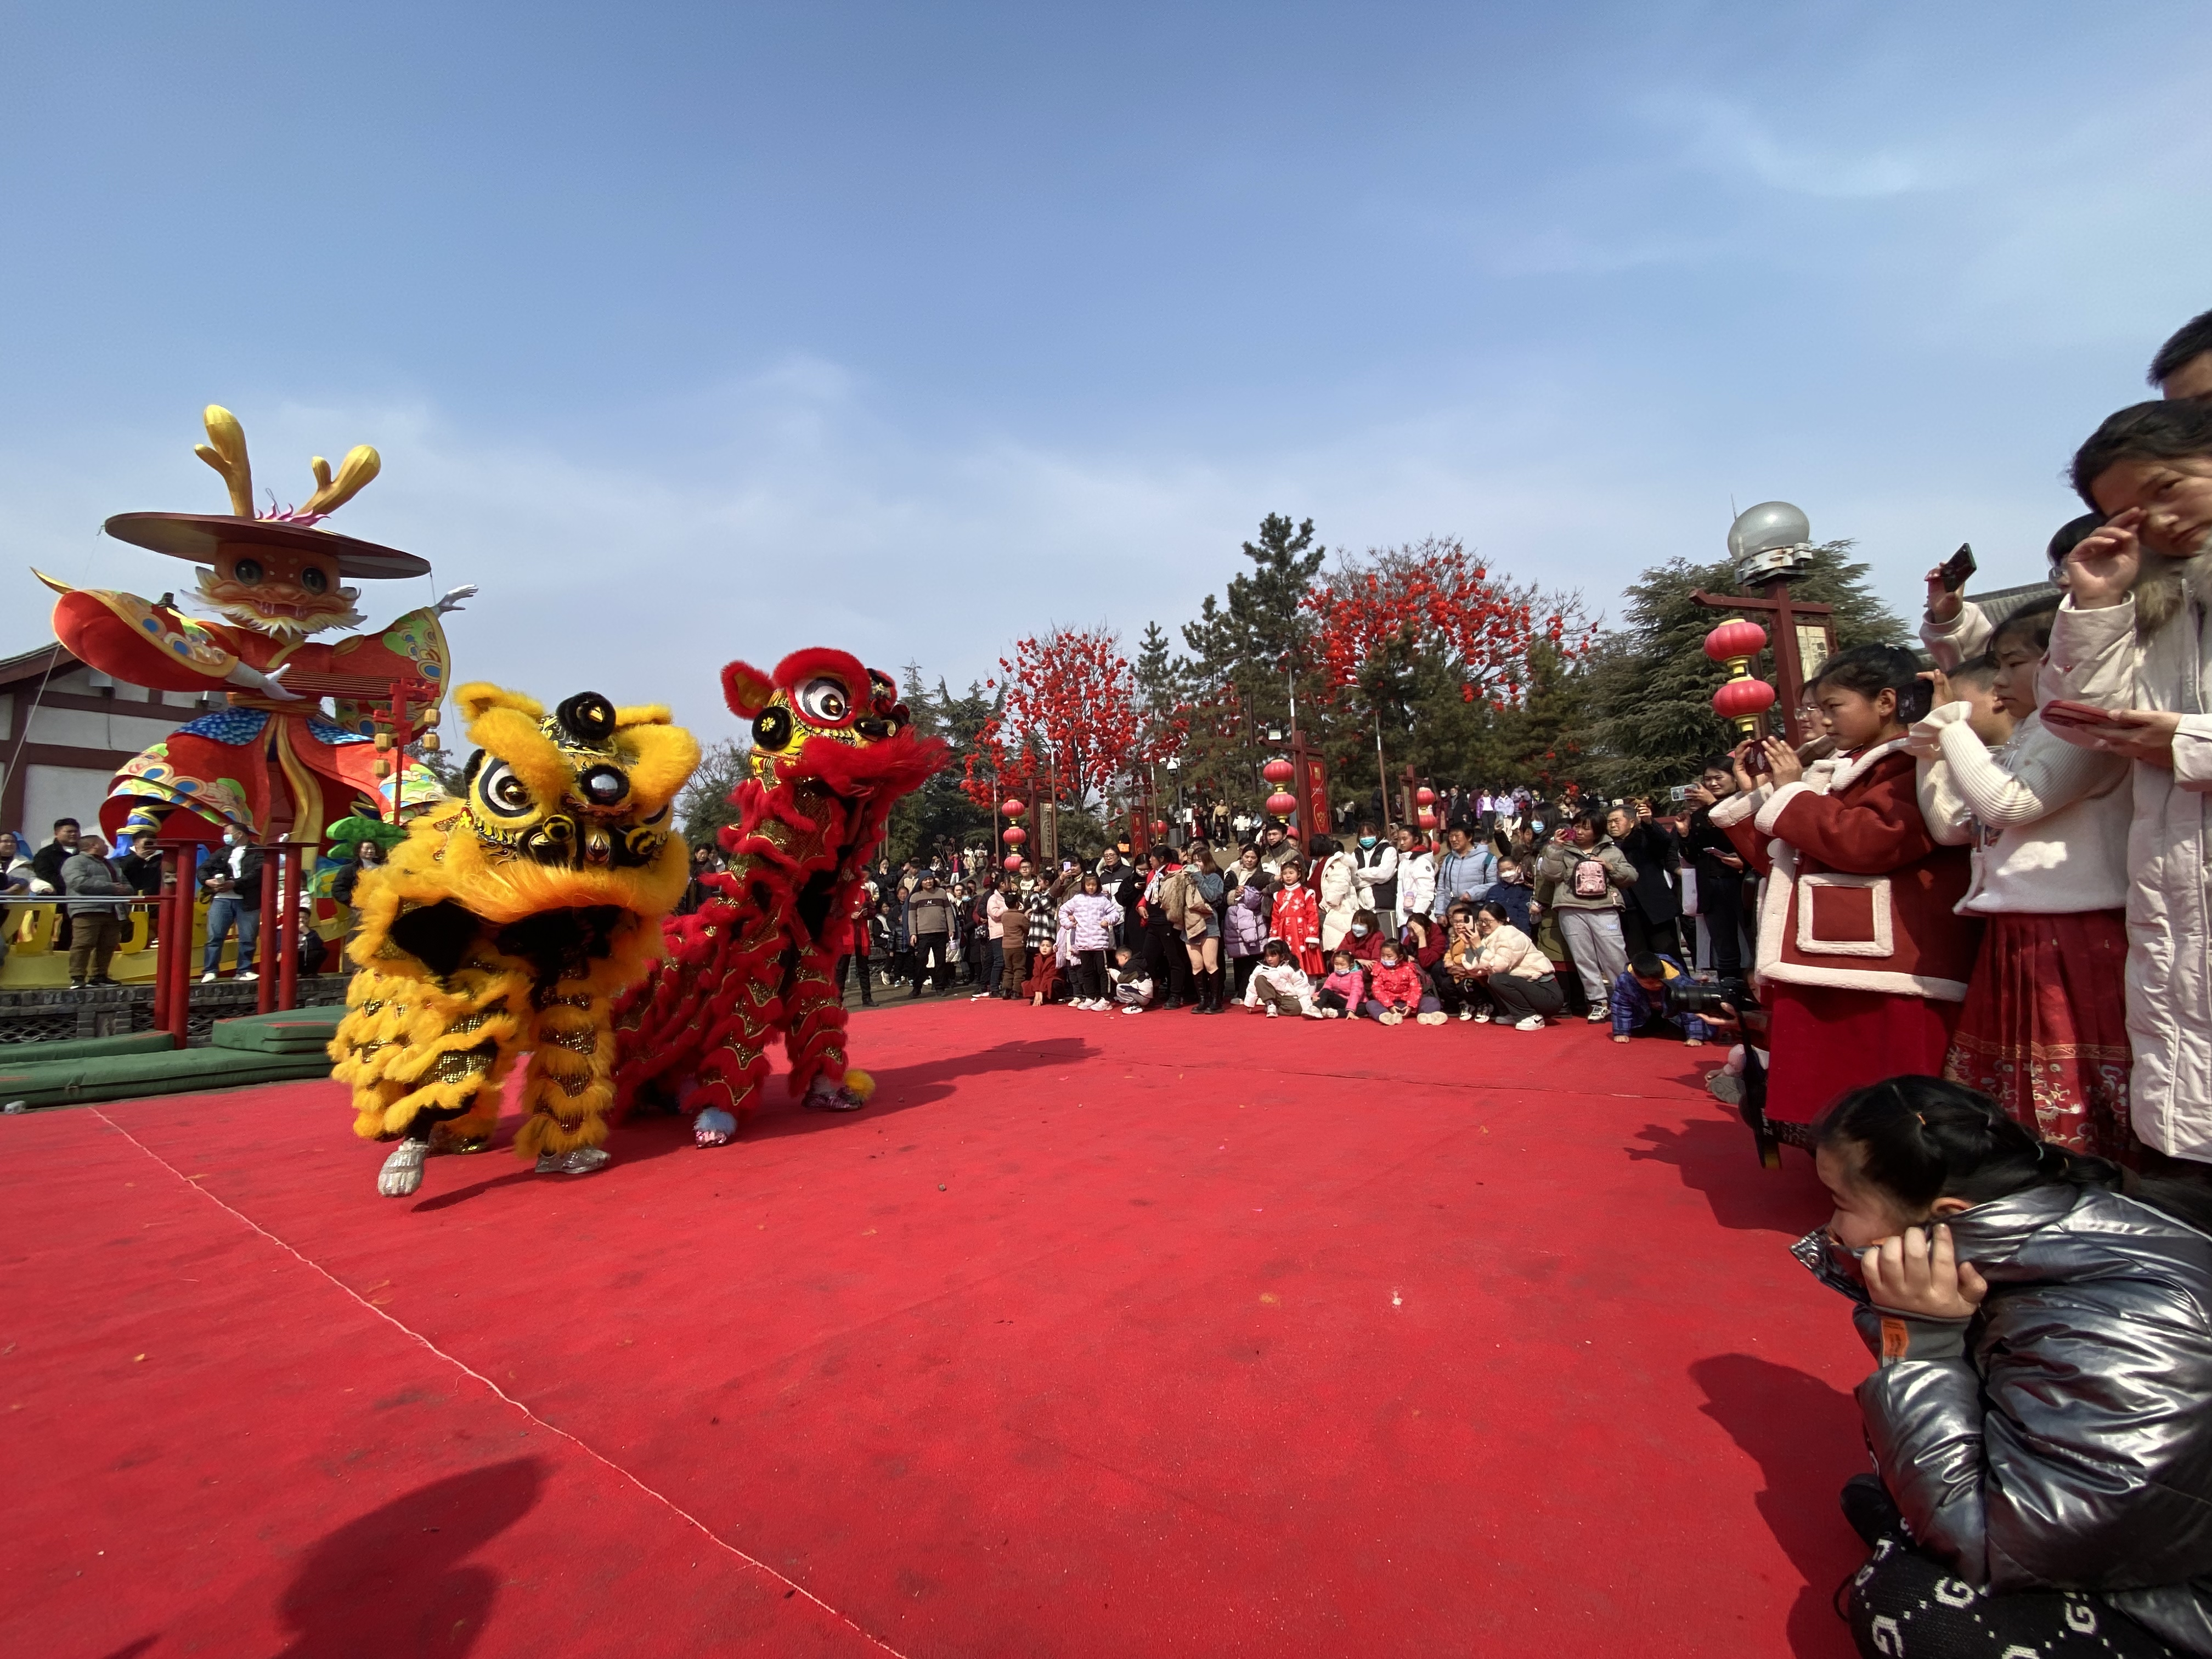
[1650, 918]
[1719, 870]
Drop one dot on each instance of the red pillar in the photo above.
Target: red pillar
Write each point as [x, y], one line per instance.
[265, 963]
[288, 984]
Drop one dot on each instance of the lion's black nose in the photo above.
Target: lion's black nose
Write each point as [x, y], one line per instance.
[870, 726]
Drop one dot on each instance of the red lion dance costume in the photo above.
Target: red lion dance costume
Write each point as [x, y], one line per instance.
[834, 751]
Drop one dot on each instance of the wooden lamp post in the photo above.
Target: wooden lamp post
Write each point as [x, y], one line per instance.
[1773, 545]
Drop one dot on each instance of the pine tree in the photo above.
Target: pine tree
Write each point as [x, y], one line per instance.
[1245, 648]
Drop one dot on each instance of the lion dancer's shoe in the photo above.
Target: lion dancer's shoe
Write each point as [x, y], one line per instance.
[826, 1095]
[402, 1173]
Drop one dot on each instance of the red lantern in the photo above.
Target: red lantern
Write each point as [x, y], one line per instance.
[1426, 818]
[1743, 700]
[1013, 862]
[1014, 809]
[1732, 639]
[1425, 796]
[1282, 803]
[1014, 835]
[1159, 826]
[1277, 772]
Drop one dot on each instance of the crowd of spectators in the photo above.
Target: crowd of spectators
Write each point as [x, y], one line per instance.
[1965, 935]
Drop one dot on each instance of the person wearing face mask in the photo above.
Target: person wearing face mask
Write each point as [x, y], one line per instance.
[231, 881]
[1375, 871]
[1363, 939]
[2044, 1030]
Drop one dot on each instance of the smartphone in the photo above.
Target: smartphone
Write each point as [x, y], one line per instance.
[2077, 713]
[1755, 761]
[1678, 793]
[1954, 570]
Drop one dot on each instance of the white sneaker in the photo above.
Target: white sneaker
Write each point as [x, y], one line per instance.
[1596, 1015]
[1432, 1017]
[249, 974]
[1480, 1017]
[1534, 1023]
[207, 978]
[1389, 1017]
[1133, 1009]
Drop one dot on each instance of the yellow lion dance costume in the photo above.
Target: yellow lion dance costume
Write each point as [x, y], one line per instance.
[509, 920]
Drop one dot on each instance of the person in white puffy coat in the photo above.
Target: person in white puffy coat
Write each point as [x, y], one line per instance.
[1338, 889]
[1417, 876]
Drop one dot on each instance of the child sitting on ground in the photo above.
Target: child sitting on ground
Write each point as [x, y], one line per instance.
[1639, 1002]
[1397, 989]
[1278, 983]
[1345, 988]
[1133, 982]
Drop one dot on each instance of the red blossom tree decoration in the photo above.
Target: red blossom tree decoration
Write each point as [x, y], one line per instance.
[1069, 713]
[1434, 600]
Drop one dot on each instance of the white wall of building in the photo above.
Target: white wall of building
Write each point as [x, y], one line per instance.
[61, 792]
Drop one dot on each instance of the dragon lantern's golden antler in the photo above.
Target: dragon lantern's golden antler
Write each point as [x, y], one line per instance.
[361, 465]
[225, 451]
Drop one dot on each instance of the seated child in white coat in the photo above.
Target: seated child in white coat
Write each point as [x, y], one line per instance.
[1278, 983]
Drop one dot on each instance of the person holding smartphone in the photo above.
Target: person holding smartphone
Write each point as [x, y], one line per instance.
[1862, 960]
[2129, 673]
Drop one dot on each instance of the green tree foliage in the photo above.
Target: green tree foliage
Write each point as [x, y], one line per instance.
[939, 813]
[1650, 685]
[704, 807]
[1245, 647]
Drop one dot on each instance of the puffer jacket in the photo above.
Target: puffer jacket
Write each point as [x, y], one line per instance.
[1089, 919]
[1400, 984]
[2060, 1438]
[1417, 882]
[1244, 921]
[2099, 657]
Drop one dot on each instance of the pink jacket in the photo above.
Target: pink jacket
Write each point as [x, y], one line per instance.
[1351, 987]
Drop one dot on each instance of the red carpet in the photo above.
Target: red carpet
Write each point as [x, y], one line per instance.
[1091, 1336]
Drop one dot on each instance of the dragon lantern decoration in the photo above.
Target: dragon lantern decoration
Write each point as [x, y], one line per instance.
[834, 751]
[273, 757]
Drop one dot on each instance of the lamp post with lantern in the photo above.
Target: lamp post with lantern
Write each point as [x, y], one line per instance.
[1772, 543]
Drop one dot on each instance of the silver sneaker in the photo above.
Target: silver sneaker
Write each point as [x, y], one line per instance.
[581, 1160]
[403, 1170]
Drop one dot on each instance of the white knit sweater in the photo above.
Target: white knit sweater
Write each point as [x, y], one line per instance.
[2047, 821]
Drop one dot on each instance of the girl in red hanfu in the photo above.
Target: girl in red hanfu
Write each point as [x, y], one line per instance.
[1296, 919]
[1862, 962]
[275, 759]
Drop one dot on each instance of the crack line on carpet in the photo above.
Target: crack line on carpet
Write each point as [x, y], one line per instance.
[598, 1457]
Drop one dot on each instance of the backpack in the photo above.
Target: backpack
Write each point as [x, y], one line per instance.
[1590, 879]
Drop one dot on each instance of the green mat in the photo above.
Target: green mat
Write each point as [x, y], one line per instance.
[130, 1043]
[126, 1077]
[298, 1031]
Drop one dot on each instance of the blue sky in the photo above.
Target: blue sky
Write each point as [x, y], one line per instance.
[691, 333]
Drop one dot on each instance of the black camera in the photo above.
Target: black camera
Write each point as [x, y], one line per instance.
[1725, 1002]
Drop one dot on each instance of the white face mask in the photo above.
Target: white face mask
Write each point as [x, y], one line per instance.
[1359, 929]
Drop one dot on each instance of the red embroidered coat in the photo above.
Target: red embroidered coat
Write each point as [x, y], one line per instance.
[1296, 920]
[1859, 896]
